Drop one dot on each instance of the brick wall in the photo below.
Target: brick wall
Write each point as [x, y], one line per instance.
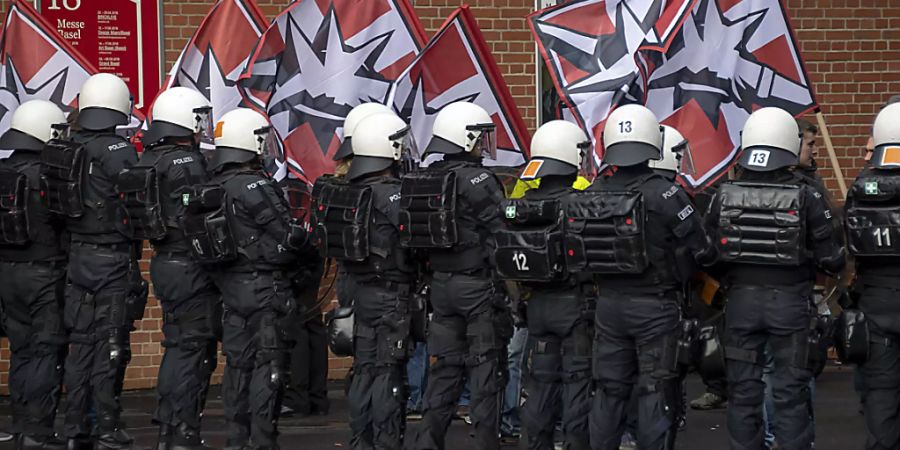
[851, 47]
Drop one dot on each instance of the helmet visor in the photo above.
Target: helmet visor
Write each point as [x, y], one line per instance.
[405, 150]
[269, 149]
[588, 163]
[203, 125]
[682, 151]
[60, 132]
[485, 133]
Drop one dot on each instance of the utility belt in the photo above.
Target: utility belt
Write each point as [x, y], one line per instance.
[401, 288]
[464, 261]
[124, 247]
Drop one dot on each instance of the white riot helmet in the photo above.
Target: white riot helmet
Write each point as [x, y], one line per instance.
[243, 134]
[558, 147]
[463, 127]
[886, 135]
[354, 117]
[380, 142]
[104, 102]
[32, 125]
[180, 112]
[631, 136]
[676, 155]
[770, 140]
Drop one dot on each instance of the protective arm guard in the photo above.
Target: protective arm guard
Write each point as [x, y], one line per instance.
[829, 255]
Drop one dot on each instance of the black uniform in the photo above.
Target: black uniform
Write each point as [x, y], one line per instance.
[32, 278]
[257, 294]
[769, 286]
[638, 315]
[189, 299]
[875, 195]
[307, 392]
[102, 279]
[471, 323]
[380, 287]
[560, 324]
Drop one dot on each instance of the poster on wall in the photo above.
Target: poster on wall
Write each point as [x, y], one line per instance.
[123, 37]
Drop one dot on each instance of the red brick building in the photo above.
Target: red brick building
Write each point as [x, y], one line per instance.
[851, 48]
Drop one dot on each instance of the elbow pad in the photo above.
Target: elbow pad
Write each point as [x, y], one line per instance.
[297, 236]
[833, 264]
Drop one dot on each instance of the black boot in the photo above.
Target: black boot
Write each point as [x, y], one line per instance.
[115, 440]
[164, 441]
[79, 443]
[187, 438]
[39, 443]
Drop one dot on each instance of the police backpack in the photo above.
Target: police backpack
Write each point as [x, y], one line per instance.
[761, 223]
[13, 208]
[206, 226]
[62, 172]
[428, 210]
[342, 213]
[873, 222]
[530, 247]
[140, 195]
[605, 232]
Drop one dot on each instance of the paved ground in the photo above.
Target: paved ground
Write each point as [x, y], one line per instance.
[838, 424]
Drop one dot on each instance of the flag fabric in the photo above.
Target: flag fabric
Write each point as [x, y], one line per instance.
[457, 65]
[590, 48]
[36, 63]
[702, 67]
[318, 60]
[214, 58]
[729, 59]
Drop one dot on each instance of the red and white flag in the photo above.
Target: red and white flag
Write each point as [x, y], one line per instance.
[457, 65]
[214, 58]
[36, 63]
[318, 60]
[730, 59]
[718, 61]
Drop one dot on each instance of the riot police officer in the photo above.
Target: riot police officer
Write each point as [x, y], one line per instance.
[471, 324]
[560, 305]
[250, 236]
[771, 228]
[368, 247]
[654, 230]
[79, 179]
[153, 191]
[32, 277]
[872, 237]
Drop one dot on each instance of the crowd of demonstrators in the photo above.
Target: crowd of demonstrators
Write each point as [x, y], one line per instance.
[574, 290]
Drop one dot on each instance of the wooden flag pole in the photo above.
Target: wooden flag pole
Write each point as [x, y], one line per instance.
[832, 156]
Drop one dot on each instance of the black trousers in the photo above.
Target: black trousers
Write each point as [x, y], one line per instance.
[558, 365]
[99, 351]
[881, 373]
[31, 312]
[381, 347]
[468, 334]
[256, 346]
[755, 317]
[192, 317]
[635, 352]
[308, 390]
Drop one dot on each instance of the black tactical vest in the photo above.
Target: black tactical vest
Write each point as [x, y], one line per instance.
[761, 223]
[151, 193]
[62, 177]
[873, 215]
[342, 214]
[260, 245]
[428, 209]
[14, 229]
[605, 232]
[530, 247]
[206, 225]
